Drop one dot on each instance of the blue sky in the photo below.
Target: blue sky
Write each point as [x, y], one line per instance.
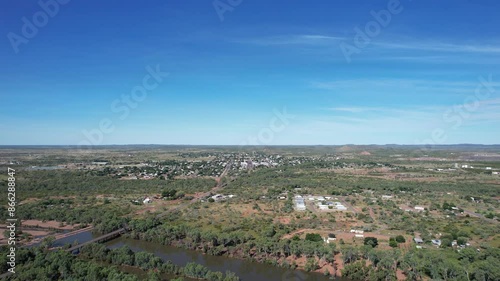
[415, 77]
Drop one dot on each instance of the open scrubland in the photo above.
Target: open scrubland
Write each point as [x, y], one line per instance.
[408, 212]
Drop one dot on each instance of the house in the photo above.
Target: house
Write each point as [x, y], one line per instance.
[436, 242]
[147, 200]
[418, 240]
[386, 197]
[218, 197]
[323, 207]
[341, 208]
[359, 235]
[357, 231]
[488, 168]
[328, 240]
[419, 208]
[300, 205]
[495, 173]
[465, 166]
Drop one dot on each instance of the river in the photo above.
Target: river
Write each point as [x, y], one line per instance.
[247, 270]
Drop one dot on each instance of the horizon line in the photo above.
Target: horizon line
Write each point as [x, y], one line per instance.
[248, 145]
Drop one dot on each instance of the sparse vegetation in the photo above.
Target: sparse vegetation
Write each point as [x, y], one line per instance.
[389, 201]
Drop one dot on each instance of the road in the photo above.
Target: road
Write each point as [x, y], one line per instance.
[216, 189]
[197, 198]
[478, 216]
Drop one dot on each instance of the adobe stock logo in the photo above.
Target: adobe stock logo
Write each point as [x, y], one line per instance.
[277, 124]
[455, 116]
[223, 6]
[372, 29]
[39, 19]
[123, 106]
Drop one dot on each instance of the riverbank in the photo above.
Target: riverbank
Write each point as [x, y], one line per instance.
[262, 255]
[245, 268]
[60, 236]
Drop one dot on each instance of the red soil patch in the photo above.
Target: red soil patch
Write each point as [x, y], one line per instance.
[47, 224]
[323, 265]
[298, 232]
[372, 214]
[284, 220]
[400, 275]
[300, 262]
[339, 265]
[36, 232]
[60, 235]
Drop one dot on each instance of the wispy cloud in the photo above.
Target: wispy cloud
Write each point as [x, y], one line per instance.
[363, 114]
[440, 47]
[325, 39]
[356, 109]
[399, 84]
[406, 124]
[483, 111]
[295, 39]
[418, 57]
[487, 110]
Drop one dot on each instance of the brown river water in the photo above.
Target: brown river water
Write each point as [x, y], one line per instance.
[247, 270]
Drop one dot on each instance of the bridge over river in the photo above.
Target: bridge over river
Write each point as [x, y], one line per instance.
[100, 239]
[76, 249]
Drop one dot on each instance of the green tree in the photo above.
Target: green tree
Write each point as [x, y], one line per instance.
[169, 193]
[311, 265]
[153, 276]
[371, 241]
[400, 239]
[393, 243]
[314, 237]
[462, 240]
[356, 271]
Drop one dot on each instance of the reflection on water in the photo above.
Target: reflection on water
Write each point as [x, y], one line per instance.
[79, 238]
[245, 269]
